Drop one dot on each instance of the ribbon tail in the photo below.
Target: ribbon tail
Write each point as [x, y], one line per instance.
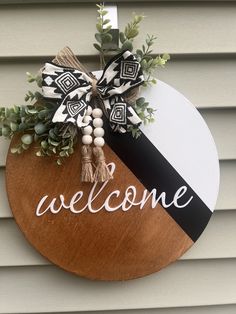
[121, 114]
[73, 107]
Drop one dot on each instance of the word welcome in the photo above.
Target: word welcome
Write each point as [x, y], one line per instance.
[128, 201]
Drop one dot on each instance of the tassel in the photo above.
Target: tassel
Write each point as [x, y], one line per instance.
[87, 168]
[102, 172]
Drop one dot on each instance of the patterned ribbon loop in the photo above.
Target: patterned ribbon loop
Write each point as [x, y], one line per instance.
[71, 87]
[74, 90]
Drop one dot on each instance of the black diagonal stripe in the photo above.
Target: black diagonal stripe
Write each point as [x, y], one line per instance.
[154, 171]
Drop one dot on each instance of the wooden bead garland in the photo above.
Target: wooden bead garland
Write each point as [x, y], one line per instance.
[102, 172]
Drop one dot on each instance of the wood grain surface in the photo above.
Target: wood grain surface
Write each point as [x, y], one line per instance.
[105, 246]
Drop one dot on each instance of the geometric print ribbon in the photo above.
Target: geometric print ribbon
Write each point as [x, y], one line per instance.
[73, 89]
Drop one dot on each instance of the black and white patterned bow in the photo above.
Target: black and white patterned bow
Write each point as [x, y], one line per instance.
[73, 89]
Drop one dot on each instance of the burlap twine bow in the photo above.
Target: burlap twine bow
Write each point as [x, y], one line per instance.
[66, 80]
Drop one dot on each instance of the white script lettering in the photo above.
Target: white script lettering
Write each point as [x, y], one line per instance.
[129, 200]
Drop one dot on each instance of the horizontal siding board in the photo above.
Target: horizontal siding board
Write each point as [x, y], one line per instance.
[8, 2]
[227, 195]
[5, 211]
[4, 145]
[226, 199]
[184, 283]
[217, 241]
[13, 78]
[223, 128]
[174, 22]
[197, 77]
[37, 31]
[218, 309]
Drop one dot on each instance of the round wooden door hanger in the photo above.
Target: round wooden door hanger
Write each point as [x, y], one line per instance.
[162, 196]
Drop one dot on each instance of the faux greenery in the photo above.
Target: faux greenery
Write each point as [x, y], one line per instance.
[144, 55]
[34, 120]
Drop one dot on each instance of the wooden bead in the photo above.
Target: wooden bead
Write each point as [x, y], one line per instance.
[97, 123]
[97, 113]
[88, 130]
[87, 119]
[87, 139]
[98, 132]
[99, 141]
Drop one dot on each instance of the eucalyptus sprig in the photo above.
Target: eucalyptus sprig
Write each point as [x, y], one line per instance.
[145, 113]
[34, 124]
[149, 63]
[102, 36]
[130, 33]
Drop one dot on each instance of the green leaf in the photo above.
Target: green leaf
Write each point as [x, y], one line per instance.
[99, 27]
[65, 147]
[40, 128]
[39, 154]
[71, 150]
[19, 150]
[166, 56]
[24, 146]
[139, 52]
[59, 162]
[98, 37]
[36, 137]
[52, 134]
[96, 46]
[103, 12]
[144, 64]
[54, 143]
[133, 33]
[22, 126]
[39, 81]
[6, 131]
[14, 126]
[27, 139]
[127, 45]
[107, 38]
[140, 101]
[14, 150]
[16, 109]
[44, 144]
[107, 29]
[106, 21]
[122, 37]
[62, 154]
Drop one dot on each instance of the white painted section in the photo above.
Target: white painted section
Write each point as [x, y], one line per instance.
[181, 135]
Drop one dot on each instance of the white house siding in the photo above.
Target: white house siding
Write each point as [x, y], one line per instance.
[200, 36]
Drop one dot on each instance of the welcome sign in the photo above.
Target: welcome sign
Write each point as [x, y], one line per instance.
[159, 202]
